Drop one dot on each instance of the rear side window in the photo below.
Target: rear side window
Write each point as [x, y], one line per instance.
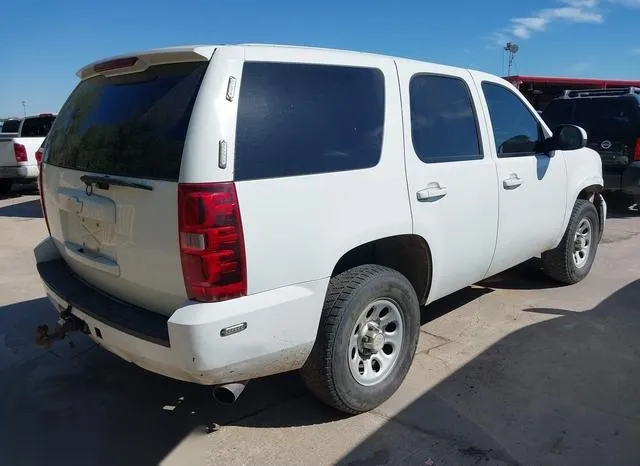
[300, 119]
[10, 126]
[36, 127]
[444, 127]
[131, 125]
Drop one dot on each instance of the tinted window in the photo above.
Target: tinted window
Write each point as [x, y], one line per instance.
[36, 127]
[10, 126]
[594, 113]
[515, 130]
[558, 112]
[130, 125]
[297, 119]
[443, 122]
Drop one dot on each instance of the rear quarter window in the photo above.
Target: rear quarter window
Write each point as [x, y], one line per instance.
[300, 119]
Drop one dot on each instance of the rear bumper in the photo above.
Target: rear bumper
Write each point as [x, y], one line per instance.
[281, 327]
[19, 172]
[626, 180]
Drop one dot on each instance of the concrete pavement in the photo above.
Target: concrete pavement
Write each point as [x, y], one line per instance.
[512, 371]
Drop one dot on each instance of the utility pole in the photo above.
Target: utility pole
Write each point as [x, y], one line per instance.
[24, 108]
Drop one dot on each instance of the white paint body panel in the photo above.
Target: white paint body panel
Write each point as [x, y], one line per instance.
[9, 167]
[460, 227]
[296, 229]
[134, 231]
[530, 215]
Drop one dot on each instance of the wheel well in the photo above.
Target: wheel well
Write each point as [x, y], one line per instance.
[408, 254]
[590, 194]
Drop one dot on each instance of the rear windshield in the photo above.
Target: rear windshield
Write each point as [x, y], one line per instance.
[10, 126]
[593, 113]
[37, 127]
[131, 125]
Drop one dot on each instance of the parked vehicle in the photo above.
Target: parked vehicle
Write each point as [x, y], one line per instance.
[611, 118]
[18, 162]
[10, 126]
[218, 214]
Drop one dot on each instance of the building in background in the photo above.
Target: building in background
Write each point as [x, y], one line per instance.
[540, 90]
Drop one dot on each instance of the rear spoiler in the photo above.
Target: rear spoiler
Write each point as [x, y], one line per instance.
[136, 62]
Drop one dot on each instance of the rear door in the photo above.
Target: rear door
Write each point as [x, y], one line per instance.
[451, 173]
[112, 164]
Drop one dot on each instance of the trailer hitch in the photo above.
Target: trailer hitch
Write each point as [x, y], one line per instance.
[67, 323]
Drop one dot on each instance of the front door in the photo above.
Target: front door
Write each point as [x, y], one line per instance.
[532, 185]
[451, 174]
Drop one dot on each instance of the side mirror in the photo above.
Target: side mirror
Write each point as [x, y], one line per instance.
[568, 137]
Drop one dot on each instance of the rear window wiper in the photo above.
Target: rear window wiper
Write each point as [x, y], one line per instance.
[103, 182]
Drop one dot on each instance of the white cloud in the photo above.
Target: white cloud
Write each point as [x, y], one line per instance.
[573, 11]
[629, 3]
[581, 3]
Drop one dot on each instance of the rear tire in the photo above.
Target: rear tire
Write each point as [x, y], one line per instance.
[572, 259]
[5, 186]
[366, 340]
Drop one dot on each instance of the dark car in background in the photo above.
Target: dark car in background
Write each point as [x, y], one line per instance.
[611, 118]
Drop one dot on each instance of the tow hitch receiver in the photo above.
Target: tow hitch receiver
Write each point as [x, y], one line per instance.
[66, 323]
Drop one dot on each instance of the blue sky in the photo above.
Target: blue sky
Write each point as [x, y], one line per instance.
[44, 43]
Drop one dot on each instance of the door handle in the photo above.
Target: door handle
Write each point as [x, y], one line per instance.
[512, 182]
[432, 193]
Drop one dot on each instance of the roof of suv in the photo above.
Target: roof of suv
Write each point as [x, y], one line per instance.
[205, 52]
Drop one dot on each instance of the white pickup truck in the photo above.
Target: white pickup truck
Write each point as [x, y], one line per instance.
[218, 214]
[18, 162]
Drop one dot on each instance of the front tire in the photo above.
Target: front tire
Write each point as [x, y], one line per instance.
[572, 259]
[366, 340]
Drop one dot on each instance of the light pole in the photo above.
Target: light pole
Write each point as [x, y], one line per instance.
[24, 108]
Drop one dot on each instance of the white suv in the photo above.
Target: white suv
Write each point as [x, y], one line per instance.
[218, 214]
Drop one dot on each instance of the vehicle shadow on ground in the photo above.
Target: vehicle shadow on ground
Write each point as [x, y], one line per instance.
[29, 209]
[20, 190]
[117, 413]
[564, 391]
[621, 206]
[526, 276]
[83, 405]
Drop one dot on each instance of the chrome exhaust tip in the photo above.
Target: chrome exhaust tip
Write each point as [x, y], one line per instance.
[229, 393]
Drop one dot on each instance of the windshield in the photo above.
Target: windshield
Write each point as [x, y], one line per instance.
[131, 125]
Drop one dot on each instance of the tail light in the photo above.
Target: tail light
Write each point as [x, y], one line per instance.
[39, 156]
[21, 152]
[211, 241]
[636, 153]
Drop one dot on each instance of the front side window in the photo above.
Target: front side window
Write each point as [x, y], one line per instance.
[515, 130]
[301, 119]
[444, 127]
